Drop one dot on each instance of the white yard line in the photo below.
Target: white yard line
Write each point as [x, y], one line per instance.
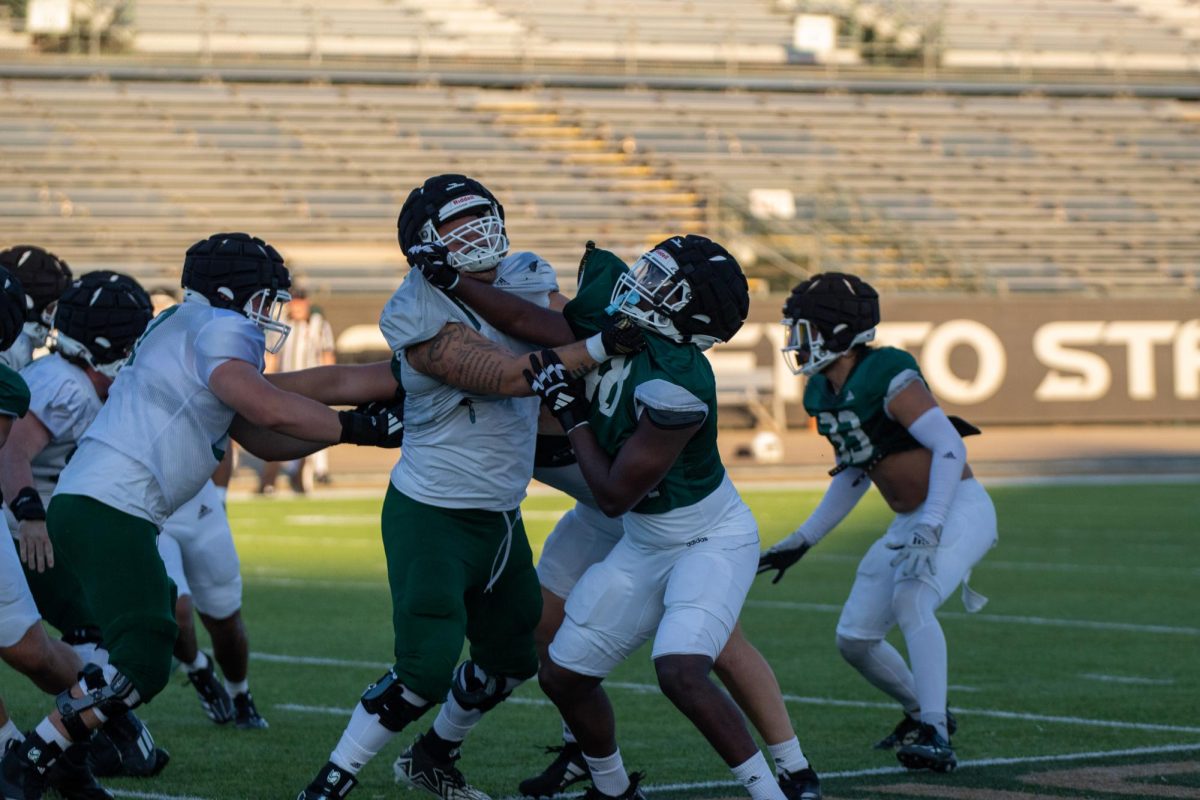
[649, 688]
[336, 711]
[1049, 622]
[1130, 679]
[153, 795]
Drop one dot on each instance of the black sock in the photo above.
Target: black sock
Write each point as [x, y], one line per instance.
[439, 748]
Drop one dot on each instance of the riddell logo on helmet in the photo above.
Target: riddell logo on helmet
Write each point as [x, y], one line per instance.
[459, 204]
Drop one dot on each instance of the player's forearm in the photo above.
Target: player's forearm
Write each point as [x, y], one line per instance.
[16, 472]
[340, 384]
[270, 445]
[515, 316]
[596, 466]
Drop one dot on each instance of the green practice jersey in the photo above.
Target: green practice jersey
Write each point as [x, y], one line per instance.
[14, 394]
[855, 420]
[672, 382]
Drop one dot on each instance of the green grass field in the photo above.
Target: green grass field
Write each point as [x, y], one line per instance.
[1080, 673]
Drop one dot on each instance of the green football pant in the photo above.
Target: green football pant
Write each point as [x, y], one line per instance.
[458, 574]
[114, 557]
[59, 597]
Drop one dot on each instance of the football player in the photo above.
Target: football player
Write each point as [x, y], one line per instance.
[585, 535]
[886, 428]
[194, 377]
[196, 546]
[470, 422]
[44, 276]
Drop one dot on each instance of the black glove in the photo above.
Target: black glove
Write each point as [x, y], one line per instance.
[781, 558]
[373, 424]
[433, 260]
[623, 337]
[562, 394]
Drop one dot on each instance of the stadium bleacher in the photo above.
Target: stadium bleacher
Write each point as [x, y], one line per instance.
[920, 192]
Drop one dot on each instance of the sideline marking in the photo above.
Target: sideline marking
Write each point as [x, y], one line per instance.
[1048, 622]
[979, 762]
[648, 688]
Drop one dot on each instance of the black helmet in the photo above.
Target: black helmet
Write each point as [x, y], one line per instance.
[474, 246]
[43, 275]
[688, 288]
[231, 269]
[99, 318]
[12, 309]
[827, 315]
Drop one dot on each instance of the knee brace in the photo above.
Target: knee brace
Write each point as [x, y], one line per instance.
[475, 690]
[106, 692]
[386, 699]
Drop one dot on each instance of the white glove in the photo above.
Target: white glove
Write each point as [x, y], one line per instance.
[916, 556]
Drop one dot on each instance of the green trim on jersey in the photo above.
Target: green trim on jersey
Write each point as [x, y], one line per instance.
[698, 470]
[14, 394]
[854, 420]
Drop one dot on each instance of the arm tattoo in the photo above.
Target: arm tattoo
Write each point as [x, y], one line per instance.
[463, 358]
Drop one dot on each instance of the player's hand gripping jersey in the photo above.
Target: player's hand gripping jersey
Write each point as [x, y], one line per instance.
[162, 431]
[672, 383]
[855, 420]
[463, 450]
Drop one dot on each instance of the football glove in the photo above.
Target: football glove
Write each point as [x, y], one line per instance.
[563, 395]
[916, 556]
[783, 555]
[433, 261]
[373, 424]
[622, 337]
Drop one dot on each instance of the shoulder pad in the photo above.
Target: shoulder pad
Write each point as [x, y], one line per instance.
[669, 405]
[526, 272]
[415, 313]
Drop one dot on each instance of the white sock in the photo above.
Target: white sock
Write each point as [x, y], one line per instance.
[926, 650]
[236, 688]
[454, 722]
[608, 774]
[758, 779]
[363, 738]
[568, 735]
[49, 733]
[788, 756]
[200, 663]
[10, 732]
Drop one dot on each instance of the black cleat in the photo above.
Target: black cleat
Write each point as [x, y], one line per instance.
[23, 767]
[331, 783]
[800, 785]
[72, 778]
[214, 699]
[928, 751]
[247, 717]
[418, 768]
[906, 730]
[124, 746]
[568, 768]
[632, 793]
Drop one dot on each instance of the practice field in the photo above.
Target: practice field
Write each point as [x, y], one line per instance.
[1079, 679]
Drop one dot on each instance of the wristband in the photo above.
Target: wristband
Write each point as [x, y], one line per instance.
[595, 348]
[28, 505]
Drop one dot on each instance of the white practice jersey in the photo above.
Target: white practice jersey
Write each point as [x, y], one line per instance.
[463, 450]
[20, 354]
[162, 426]
[65, 401]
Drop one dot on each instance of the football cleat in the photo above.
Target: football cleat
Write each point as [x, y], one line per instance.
[800, 785]
[214, 699]
[906, 731]
[567, 768]
[331, 783]
[124, 746]
[928, 751]
[246, 714]
[632, 793]
[72, 778]
[418, 768]
[20, 778]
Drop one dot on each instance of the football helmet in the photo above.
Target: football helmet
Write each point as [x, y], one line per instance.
[687, 288]
[44, 276]
[477, 244]
[826, 316]
[12, 309]
[99, 318]
[243, 273]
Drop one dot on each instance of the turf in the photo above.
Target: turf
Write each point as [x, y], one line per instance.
[1092, 620]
